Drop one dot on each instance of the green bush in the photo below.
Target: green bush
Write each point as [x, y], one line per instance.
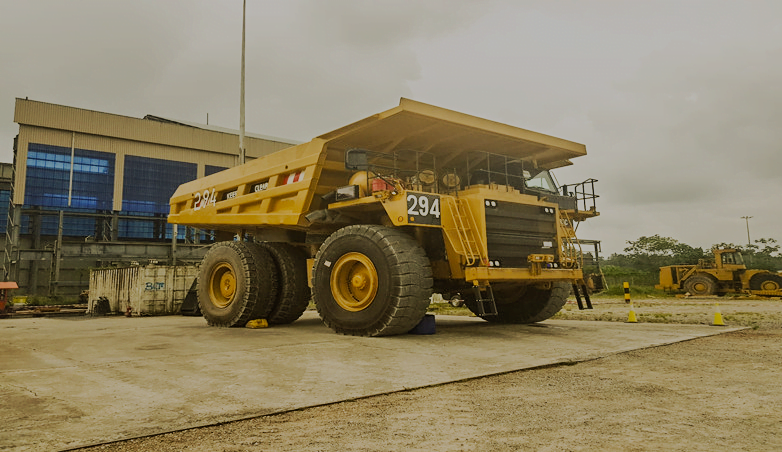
[42, 300]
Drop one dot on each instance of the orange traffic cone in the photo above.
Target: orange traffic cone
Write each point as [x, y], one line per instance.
[717, 316]
[631, 317]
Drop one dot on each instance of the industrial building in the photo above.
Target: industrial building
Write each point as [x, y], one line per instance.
[90, 189]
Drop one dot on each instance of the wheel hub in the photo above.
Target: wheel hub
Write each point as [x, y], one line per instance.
[354, 282]
[359, 282]
[222, 285]
[769, 285]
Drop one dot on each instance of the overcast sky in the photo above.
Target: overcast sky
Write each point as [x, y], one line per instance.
[678, 102]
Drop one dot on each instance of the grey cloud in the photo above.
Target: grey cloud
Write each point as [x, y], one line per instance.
[387, 23]
[677, 102]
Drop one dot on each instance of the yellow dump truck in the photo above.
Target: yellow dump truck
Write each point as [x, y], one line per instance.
[386, 211]
[724, 274]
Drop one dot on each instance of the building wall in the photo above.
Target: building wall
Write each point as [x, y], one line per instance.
[70, 127]
[111, 176]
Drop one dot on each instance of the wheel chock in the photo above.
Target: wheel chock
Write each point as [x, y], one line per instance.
[425, 326]
[257, 323]
[717, 316]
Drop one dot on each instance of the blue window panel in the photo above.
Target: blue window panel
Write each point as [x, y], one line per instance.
[149, 183]
[154, 228]
[211, 169]
[180, 235]
[136, 229]
[5, 197]
[75, 226]
[139, 207]
[49, 178]
[60, 202]
[71, 226]
[84, 202]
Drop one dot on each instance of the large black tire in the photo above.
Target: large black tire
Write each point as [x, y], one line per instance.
[371, 280]
[765, 281]
[236, 283]
[524, 304]
[700, 285]
[294, 293]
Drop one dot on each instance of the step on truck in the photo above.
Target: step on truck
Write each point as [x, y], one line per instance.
[373, 218]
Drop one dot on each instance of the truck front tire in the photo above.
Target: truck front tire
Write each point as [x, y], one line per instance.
[371, 280]
[236, 283]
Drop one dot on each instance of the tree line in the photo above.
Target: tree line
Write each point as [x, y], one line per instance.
[642, 258]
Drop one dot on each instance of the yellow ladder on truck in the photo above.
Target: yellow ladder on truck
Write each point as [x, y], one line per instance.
[571, 247]
[463, 235]
[572, 255]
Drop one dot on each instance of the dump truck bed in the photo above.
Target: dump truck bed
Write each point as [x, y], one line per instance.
[279, 189]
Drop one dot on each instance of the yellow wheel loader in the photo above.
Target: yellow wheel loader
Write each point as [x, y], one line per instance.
[724, 274]
[384, 212]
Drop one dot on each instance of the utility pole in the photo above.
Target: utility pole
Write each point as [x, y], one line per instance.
[241, 100]
[749, 243]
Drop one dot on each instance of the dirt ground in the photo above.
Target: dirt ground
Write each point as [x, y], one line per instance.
[716, 393]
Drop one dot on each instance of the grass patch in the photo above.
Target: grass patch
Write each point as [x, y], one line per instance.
[447, 309]
[662, 315]
[636, 291]
[56, 300]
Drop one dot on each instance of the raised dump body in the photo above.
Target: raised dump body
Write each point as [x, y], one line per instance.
[409, 201]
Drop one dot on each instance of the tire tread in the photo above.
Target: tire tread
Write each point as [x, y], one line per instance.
[411, 279]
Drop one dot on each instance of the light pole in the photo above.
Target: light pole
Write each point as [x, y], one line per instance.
[749, 243]
[241, 89]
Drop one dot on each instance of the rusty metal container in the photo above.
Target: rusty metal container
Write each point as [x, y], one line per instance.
[146, 290]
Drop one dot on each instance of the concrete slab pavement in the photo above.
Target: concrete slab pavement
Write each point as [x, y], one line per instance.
[70, 382]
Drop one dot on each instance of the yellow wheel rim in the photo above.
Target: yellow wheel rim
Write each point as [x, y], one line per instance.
[699, 287]
[354, 282]
[769, 285]
[222, 285]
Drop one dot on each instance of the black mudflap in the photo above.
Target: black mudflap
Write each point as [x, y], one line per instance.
[190, 305]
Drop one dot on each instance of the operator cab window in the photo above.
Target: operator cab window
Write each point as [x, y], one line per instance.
[732, 259]
[542, 181]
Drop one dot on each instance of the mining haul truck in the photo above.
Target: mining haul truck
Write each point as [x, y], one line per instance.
[724, 274]
[373, 218]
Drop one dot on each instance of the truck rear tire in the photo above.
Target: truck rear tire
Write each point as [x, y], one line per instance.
[700, 285]
[231, 287]
[765, 281]
[371, 280]
[294, 291]
[533, 305]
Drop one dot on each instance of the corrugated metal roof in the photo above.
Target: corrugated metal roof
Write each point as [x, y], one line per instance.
[165, 132]
[220, 129]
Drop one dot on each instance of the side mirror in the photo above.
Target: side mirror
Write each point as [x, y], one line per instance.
[356, 159]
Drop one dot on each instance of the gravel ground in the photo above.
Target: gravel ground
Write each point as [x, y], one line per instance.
[754, 312]
[717, 393]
